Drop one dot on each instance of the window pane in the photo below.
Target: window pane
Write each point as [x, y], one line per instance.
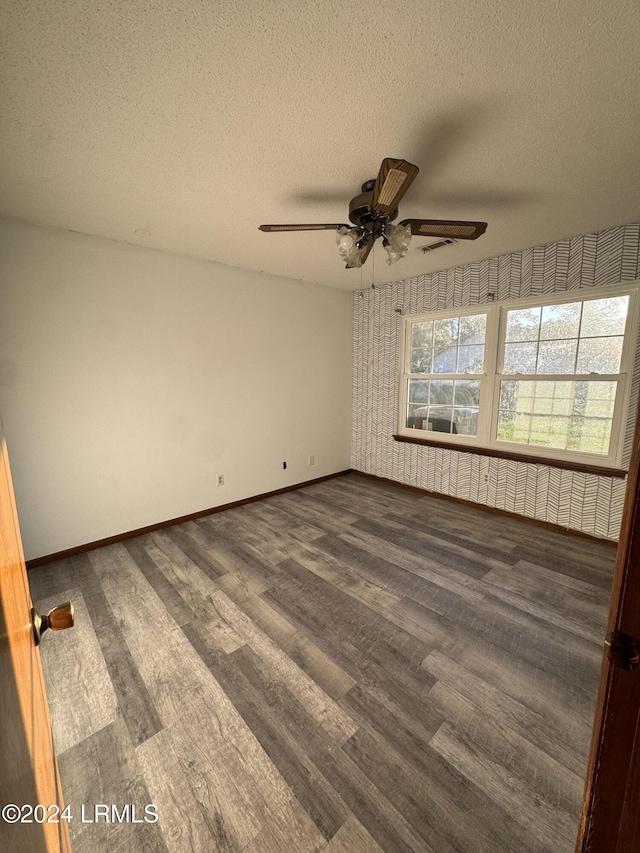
[451, 345]
[440, 419]
[523, 325]
[420, 361]
[422, 335]
[561, 405]
[527, 394]
[416, 416]
[604, 316]
[521, 428]
[600, 332]
[558, 431]
[591, 435]
[549, 431]
[473, 329]
[542, 403]
[563, 414]
[520, 358]
[470, 359]
[466, 392]
[506, 425]
[557, 357]
[443, 419]
[508, 395]
[441, 392]
[445, 333]
[540, 430]
[445, 345]
[419, 391]
[560, 321]
[444, 360]
[595, 399]
[430, 406]
[465, 421]
[444, 405]
[599, 355]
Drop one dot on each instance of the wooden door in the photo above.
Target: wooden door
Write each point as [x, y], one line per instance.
[29, 771]
[610, 820]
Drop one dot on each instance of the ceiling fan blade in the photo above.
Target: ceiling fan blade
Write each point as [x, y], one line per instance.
[457, 229]
[364, 251]
[320, 227]
[362, 255]
[394, 179]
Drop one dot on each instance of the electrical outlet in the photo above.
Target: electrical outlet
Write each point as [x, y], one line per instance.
[312, 460]
[221, 479]
[486, 478]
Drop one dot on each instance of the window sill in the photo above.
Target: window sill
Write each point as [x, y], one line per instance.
[600, 470]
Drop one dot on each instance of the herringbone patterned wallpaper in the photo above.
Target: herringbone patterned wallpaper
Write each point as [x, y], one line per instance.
[585, 502]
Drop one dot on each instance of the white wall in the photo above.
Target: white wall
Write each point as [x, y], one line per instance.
[129, 378]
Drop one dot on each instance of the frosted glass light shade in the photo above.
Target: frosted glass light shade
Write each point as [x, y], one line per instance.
[397, 242]
[347, 242]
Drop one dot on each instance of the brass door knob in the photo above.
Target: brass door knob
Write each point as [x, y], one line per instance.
[58, 619]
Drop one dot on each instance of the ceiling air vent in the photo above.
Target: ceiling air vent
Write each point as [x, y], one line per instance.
[446, 242]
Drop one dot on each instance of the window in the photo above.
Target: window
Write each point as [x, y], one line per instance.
[546, 378]
[446, 358]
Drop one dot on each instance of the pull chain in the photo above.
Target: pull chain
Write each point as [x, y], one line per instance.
[373, 267]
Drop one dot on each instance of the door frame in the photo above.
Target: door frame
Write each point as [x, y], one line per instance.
[610, 820]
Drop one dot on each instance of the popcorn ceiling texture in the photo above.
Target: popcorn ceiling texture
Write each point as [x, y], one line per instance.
[585, 502]
[197, 120]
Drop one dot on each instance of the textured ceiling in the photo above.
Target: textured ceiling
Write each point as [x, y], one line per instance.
[194, 122]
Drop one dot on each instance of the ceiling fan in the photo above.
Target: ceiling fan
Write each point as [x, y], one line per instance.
[372, 213]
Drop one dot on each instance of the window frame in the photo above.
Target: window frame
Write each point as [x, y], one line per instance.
[490, 378]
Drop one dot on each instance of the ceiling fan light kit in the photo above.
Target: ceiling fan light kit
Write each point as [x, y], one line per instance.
[396, 241]
[372, 213]
[349, 242]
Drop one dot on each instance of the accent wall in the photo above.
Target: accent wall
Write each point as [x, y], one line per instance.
[586, 502]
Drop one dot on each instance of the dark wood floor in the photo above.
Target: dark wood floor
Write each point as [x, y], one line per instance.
[350, 667]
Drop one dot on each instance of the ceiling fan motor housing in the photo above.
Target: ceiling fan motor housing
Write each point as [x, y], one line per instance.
[360, 212]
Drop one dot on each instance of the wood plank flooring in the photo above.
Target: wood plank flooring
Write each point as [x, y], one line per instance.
[349, 668]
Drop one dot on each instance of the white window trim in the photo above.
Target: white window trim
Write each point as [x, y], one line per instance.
[490, 379]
